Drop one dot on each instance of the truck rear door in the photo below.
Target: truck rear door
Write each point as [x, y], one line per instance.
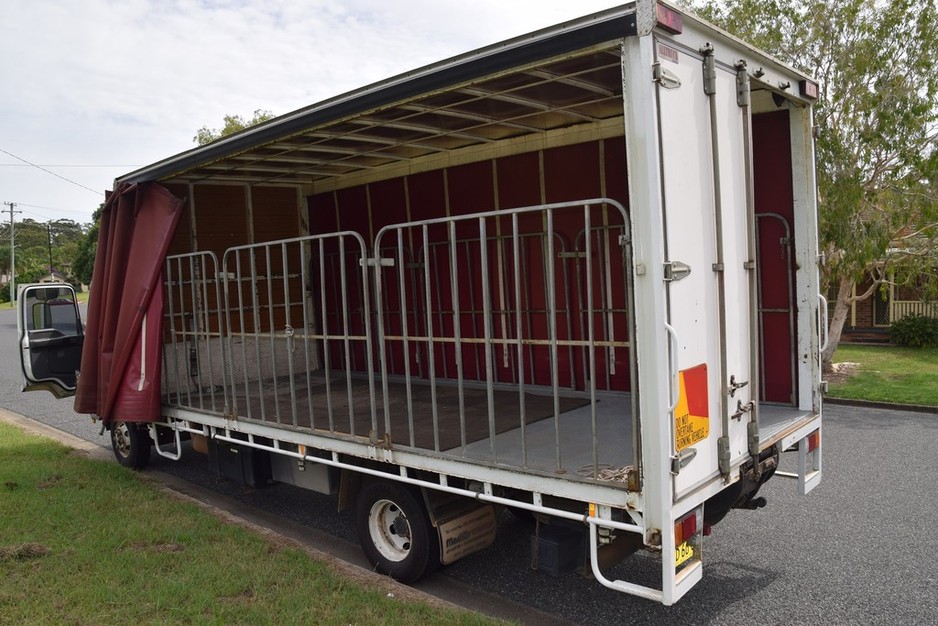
[706, 227]
[50, 338]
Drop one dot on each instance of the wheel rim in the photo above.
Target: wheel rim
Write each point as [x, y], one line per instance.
[121, 438]
[390, 531]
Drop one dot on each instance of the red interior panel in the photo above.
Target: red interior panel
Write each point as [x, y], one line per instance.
[775, 204]
[573, 173]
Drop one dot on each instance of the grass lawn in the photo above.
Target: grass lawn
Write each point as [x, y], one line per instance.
[88, 542]
[886, 374]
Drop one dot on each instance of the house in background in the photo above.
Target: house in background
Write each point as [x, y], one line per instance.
[869, 320]
[55, 276]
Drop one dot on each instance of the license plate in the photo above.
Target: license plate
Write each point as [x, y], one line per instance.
[683, 553]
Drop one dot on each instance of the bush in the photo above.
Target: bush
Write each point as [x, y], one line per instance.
[915, 331]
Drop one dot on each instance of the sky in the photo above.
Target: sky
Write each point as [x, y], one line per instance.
[93, 89]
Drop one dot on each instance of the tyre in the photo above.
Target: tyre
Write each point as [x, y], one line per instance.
[131, 444]
[395, 531]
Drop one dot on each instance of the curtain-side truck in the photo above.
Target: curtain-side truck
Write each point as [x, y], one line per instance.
[574, 274]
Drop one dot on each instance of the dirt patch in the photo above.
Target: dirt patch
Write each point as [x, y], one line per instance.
[144, 546]
[840, 372]
[23, 552]
[50, 482]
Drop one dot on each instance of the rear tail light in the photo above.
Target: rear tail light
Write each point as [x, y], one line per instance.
[809, 89]
[670, 20]
[814, 440]
[685, 528]
[687, 539]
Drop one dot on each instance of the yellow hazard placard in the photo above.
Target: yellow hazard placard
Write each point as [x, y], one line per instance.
[692, 413]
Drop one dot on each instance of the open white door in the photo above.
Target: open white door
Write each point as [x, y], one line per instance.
[50, 338]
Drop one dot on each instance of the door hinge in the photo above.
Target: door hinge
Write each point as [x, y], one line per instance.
[742, 84]
[665, 77]
[709, 69]
[681, 459]
[753, 432]
[676, 270]
[723, 454]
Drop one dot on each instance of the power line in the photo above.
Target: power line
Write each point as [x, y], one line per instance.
[49, 208]
[68, 180]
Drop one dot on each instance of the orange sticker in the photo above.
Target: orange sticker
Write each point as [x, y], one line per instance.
[692, 413]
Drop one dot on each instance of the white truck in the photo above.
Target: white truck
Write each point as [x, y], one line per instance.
[574, 274]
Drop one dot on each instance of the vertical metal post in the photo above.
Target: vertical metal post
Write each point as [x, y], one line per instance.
[272, 330]
[307, 325]
[171, 307]
[196, 332]
[405, 333]
[288, 320]
[431, 360]
[591, 337]
[327, 353]
[239, 281]
[552, 332]
[345, 332]
[369, 346]
[13, 212]
[457, 335]
[519, 335]
[526, 290]
[487, 330]
[256, 315]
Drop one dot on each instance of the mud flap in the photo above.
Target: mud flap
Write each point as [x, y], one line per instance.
[468, 531]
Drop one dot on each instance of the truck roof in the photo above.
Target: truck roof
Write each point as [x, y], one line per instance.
[546, 81]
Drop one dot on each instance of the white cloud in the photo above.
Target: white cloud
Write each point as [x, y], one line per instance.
[125, 83]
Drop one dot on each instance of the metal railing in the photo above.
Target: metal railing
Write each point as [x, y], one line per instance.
[905, 308]
[500, 337]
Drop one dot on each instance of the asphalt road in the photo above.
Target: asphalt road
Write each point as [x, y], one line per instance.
[860, 549]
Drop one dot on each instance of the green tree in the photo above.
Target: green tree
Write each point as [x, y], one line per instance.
[5, 253]
[877, 118]
[83, 267]
[43, 246]
[233, 124]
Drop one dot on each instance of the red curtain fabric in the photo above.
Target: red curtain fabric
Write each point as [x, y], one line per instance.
[119, 378]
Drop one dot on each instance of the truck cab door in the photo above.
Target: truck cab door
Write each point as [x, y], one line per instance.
[50, 337]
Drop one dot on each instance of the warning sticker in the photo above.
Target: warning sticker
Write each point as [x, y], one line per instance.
[692, 413]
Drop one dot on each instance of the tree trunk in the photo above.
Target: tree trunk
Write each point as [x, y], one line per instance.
[836, 328]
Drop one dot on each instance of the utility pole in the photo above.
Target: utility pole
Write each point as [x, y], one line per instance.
[49, 227]
[12, 206]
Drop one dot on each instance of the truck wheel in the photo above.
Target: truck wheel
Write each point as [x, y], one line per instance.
[131, 445]
[395, 531]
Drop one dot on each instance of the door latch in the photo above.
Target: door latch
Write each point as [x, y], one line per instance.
[742, 409]
[681, 459]
[676, 270]
[735, 386]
